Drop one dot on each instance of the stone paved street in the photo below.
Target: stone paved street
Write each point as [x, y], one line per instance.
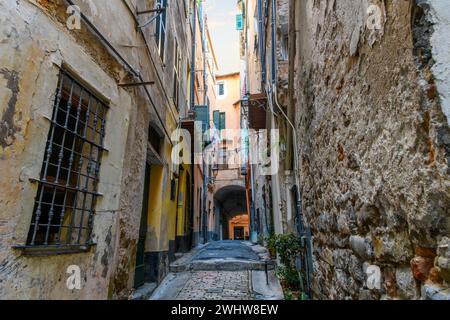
[223, 270]
[217, 285]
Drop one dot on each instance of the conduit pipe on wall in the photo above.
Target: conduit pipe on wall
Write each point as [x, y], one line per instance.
[194, 31]
[128, 66]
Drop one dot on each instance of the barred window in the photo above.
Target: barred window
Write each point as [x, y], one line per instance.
[67, 191]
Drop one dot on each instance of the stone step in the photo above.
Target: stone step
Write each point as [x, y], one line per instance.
[266, 286]
[144, 292]
[222, 265]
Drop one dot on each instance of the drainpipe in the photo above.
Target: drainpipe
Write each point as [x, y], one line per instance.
[291, 54]
[247, 63]
[274, 72]
[194, 31]
[205, 213]
[254, 232]
[204, 58]
[205, 93]
[261, 43]
[205, 174]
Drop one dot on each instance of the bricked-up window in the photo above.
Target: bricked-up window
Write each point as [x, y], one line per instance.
[161, 28]
[67, 191]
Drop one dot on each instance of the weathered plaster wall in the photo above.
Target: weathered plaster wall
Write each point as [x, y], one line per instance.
[253, 65]
[374, 142]
[439, 15]
[162, 215]
[33, 49]
[34, 43]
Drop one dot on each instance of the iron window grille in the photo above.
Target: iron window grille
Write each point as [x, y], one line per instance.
[67, 189]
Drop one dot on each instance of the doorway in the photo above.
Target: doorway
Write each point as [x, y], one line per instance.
[139, 274]
[239, 233]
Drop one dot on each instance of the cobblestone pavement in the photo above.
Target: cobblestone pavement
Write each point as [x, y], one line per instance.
[216, 285]
[222, 270]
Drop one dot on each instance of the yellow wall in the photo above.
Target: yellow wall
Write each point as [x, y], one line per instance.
[182, 204]
[154, 209]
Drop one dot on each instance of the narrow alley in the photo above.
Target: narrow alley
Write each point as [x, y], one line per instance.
[224, 150]
[222, 270]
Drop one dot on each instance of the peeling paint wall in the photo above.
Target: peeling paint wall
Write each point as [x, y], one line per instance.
[30, 71]
[439, 15]
[34, 44]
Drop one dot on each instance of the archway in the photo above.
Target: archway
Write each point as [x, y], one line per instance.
[231, 202]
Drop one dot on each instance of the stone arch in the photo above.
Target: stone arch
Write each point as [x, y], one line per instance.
[232, 202]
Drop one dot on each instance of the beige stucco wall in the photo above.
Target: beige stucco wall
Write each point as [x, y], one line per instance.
[230, 102]
[35, 43]
[21, 160]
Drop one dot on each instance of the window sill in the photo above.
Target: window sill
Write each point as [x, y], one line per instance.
[40, 251]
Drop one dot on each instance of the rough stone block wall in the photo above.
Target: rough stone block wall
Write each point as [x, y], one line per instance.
[374, 148]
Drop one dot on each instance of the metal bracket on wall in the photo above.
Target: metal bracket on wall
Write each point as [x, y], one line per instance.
[159, 10]
[136, 84]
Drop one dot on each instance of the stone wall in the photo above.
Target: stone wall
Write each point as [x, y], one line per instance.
[374, 143]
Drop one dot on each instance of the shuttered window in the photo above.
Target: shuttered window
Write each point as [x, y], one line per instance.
[219, 119]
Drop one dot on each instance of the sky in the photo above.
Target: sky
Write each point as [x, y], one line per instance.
[222, 26]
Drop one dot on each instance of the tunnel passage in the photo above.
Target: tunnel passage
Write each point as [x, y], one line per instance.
[232, 203]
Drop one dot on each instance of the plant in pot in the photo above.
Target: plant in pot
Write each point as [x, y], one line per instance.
[288, 247]
[272, 245]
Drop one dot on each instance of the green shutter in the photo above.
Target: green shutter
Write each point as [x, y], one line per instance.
[222, 121]
[216, 119]
[202, 114]
[239, 22]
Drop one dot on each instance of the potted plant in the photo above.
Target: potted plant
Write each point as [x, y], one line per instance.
[272, 245]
